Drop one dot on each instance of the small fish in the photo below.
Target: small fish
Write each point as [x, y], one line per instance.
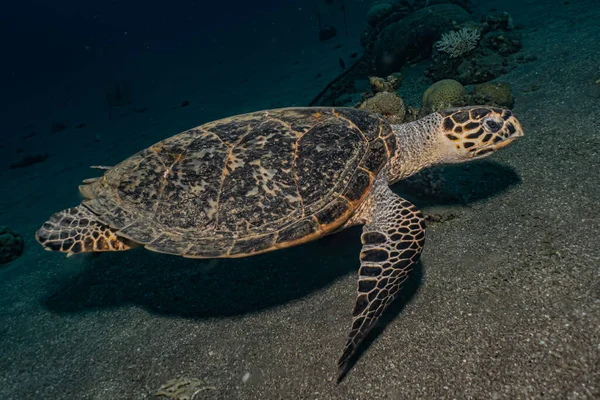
[342, 64]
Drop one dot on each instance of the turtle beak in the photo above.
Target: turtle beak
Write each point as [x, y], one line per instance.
[516, 126]
[504, 142]
[510, 131]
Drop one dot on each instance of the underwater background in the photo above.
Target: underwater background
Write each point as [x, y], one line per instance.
[505, 302]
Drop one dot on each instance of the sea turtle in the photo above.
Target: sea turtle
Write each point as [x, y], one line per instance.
[272, 179]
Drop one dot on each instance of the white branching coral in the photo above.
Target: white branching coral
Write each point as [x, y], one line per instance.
[457, 43]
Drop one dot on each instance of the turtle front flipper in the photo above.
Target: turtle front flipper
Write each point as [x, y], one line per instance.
[392, 243]
[77, 230]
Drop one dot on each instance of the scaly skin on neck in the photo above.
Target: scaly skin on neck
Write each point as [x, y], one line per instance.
[418, 147]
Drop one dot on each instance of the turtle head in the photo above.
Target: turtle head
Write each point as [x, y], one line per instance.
[451, 136]
[471, 133]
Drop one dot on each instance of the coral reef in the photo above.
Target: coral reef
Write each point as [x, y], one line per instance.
[504, 43]
[457, 43]
[405, 31]
[11, 245]
[390, 105]
[389, 84]
[413, 36]
[378, 84]
[472, 63]
[443, 94]
[492, 93]
[499, 22]
[386, 12]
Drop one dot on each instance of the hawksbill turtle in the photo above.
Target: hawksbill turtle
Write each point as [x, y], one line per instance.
[268, 180]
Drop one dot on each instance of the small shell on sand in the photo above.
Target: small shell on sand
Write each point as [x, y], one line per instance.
[182, 389]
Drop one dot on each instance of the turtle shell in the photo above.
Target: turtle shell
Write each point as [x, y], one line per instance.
[246, 184]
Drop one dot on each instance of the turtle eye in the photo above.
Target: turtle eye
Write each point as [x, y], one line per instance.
[492, 125]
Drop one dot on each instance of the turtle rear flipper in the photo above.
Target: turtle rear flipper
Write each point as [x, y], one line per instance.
[77, 230]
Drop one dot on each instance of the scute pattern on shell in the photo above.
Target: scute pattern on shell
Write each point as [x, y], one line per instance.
[245, 184]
